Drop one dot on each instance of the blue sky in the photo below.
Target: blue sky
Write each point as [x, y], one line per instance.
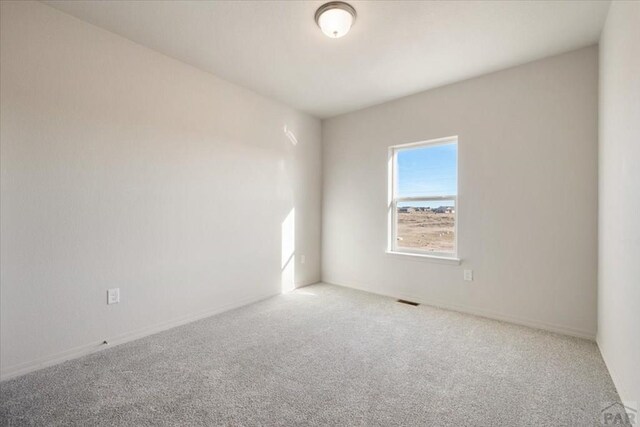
[427, 171]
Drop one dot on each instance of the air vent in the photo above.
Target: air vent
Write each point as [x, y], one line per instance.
[404, 301]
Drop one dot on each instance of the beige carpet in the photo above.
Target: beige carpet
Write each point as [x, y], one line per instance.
[324, 355]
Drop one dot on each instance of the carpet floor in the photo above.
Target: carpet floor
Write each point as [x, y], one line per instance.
[324, 355]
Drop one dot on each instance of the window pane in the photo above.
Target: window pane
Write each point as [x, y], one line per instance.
[428, 171]
[427, 225]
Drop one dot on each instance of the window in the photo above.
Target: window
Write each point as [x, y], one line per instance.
[423, 198]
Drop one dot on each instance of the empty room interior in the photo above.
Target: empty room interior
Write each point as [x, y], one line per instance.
[283, 213]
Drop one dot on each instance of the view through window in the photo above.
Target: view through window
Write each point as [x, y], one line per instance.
[423, 203]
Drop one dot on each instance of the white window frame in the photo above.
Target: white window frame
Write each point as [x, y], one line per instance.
[393, 200]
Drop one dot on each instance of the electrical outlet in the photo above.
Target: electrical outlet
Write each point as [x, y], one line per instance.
[113, 296]
[302, 259]
[468, 275]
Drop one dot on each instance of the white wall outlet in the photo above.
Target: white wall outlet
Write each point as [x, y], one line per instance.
[468, 275]
[113, 296]
[302, 259]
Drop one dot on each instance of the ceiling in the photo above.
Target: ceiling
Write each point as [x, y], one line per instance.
[395, 48]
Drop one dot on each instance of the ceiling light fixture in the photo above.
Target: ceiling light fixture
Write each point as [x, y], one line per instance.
[335, 18]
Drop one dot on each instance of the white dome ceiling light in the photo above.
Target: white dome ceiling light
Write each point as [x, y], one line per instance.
[335, 18]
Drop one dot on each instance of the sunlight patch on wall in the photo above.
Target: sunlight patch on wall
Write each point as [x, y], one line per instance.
[290, 135]
[288, 252]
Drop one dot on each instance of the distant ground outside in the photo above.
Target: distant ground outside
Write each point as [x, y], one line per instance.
[426, 230]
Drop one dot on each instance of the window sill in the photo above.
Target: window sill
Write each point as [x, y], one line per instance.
[425, 257]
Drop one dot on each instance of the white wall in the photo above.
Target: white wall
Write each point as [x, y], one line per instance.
[124, 168]
[527, 194]
[619, 194]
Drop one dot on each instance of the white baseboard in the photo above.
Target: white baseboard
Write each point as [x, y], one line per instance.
[82, 350]
[73, 353]
[618, 382]
[564, 330]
